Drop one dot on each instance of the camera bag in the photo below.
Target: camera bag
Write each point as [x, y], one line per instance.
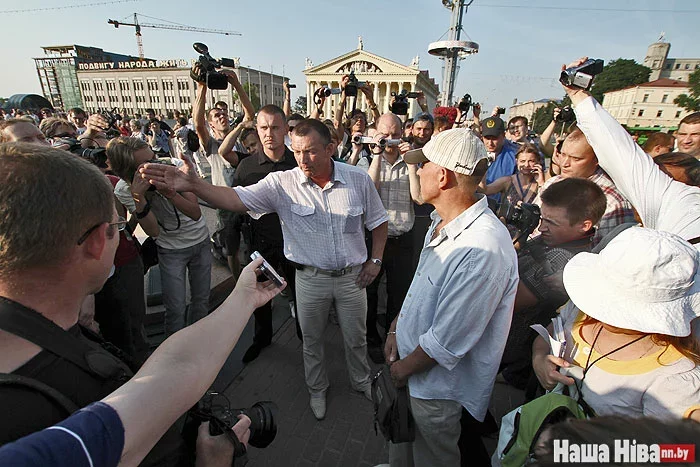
[392, 409]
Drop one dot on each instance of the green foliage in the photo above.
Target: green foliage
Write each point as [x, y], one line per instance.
[300, 105]
[543, 116]
[252, 91]
[691, 102]
[618, 74]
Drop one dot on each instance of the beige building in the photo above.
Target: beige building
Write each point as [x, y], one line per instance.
[670, 68]
[526, 109]
[647, 105]
[162, 85]
[384, 75]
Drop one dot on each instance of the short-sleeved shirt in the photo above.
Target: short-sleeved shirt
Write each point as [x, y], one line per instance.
[221, 170]
[249, 172]
[91, 437]
[503, 166]
[395, 192]
[177, 230]
[662, 385]
[459, 308]
[322, 227]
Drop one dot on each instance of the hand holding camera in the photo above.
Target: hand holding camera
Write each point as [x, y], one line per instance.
[577, 77]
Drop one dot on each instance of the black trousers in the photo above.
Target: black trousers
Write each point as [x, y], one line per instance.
[399, 266]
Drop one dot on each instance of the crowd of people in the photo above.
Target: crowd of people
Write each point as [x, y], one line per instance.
[585, 227]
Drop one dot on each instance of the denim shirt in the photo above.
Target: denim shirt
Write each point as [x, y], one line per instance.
[503, 166]
[459, 308]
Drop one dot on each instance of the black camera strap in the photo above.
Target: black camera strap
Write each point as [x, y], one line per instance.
[33, 326]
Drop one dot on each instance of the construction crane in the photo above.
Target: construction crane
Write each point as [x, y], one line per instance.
[175, 26]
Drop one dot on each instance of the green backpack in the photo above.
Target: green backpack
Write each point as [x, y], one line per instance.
[521, 428]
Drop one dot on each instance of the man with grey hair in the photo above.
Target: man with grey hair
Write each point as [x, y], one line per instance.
[447, 341]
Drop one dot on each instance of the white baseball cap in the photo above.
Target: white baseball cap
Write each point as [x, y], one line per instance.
[458, 150]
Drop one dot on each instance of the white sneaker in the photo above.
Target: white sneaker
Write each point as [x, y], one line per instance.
[318, 405]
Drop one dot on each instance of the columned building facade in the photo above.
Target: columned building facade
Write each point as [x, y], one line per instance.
[385, 76]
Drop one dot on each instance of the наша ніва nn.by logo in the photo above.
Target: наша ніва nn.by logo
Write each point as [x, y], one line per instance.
[622, 451]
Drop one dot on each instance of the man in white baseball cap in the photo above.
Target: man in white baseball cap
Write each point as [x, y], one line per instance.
[448, 339]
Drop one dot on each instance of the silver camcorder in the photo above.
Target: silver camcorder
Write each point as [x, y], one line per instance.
[582, 76]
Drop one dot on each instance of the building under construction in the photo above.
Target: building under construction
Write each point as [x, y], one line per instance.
[90, 78]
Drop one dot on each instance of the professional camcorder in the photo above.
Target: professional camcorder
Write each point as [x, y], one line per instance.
[500, 110]
[581, 76]
[209, 65]
[400, 104]
[525, 218]
[215, 408]
[353, 84]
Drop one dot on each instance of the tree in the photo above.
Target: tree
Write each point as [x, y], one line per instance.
[543, 116]
[252, 91]
[300, 105]
[691, 102]
[618, 74]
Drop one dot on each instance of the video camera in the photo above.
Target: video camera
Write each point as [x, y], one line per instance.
[525, 218]
[324, 91]
[209, 65]
[465, 103]
[581, 76]
[353, 84]
[215, 408]
[383, 143]
[400, 104]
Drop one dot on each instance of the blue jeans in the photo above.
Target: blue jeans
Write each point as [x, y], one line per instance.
[174, 264]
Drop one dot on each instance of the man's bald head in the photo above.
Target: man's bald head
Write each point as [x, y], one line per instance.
[389, 124]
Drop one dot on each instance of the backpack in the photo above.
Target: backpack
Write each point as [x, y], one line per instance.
[192, 141]
[521, 428]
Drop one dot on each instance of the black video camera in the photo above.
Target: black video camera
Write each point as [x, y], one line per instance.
[353, 84]
[465, 103]
[112, 118]
[566, 115]
[209, 65]
[525, 218]
[581, 76]
[215, 408]
[400, 104]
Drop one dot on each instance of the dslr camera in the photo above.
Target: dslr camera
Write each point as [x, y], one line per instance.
[353, 84]
[209, 65]
[400, 105]
[96, 156]
[215, 408]
[581, 76]
[566, 115]
[465, 103]
[525, 218]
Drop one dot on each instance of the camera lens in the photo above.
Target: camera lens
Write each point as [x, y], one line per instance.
[263, 426]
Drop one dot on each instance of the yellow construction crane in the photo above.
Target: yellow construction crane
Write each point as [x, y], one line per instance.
[175, 26]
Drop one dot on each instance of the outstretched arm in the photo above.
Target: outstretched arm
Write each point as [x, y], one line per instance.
[181, 369]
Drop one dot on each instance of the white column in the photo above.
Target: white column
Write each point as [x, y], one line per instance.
[413, 104]
[327, 105]
[387, 97]
[376, 93]
[309, 96]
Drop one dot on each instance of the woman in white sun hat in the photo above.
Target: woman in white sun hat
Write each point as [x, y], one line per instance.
[629, 345]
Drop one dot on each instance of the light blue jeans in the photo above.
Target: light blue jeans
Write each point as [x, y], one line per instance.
[174, 265]
[315, 292]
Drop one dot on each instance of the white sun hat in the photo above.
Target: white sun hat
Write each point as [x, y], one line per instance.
[643, 280]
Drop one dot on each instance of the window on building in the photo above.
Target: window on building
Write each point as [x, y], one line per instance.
[697, 66]
[687, 66]
[658, 113]
[664, 98]
[641, 112]
[668, 66]
[678, 66]
[678, 114]
[645, 98]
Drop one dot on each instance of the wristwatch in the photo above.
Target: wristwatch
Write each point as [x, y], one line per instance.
[376, 261]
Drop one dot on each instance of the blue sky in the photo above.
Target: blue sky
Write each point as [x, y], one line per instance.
[522, 43]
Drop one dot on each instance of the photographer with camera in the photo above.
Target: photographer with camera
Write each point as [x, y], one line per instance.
[399, 187]
[212, 131]
[159, 140]
[356, 124]
[570, 210]
[42, 288]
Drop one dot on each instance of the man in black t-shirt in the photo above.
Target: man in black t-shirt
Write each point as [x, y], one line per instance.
[265, 232]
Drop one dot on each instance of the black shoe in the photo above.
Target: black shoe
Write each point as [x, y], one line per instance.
[376, 354]
[252, 353]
